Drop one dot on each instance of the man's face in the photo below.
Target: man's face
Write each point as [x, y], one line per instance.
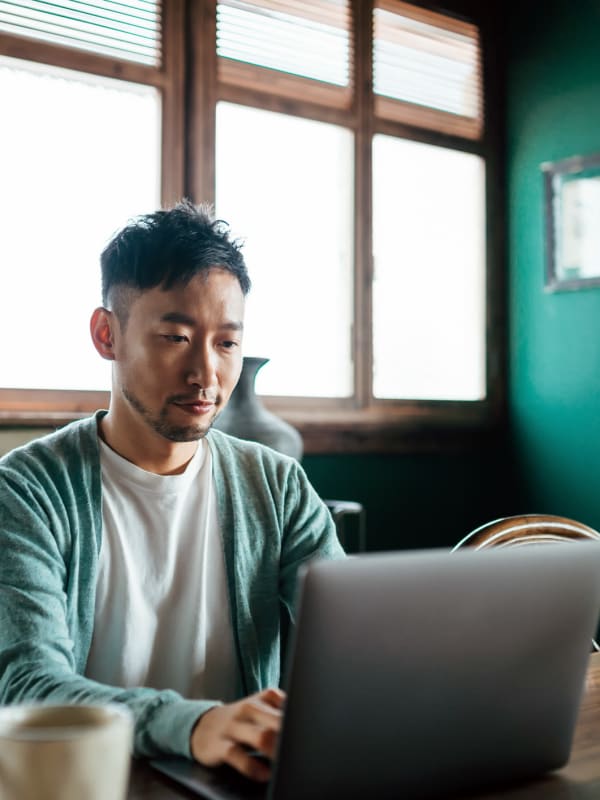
[179, 356]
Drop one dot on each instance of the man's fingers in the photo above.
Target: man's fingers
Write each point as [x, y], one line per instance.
[260, 713]
[224, 733]
[260, 739]
[273, 697]
[239, 758]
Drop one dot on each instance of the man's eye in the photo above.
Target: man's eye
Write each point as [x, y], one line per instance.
[228, 345]
[173, 337]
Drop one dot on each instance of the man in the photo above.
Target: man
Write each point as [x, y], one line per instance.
[145, 556]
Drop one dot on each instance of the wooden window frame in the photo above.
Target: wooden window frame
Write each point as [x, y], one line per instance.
[191, 87]
[46, 407]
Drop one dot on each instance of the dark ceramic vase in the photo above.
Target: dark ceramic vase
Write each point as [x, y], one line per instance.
[246, 417]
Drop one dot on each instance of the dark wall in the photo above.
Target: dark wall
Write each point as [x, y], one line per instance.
[420, 500]
[553, 112]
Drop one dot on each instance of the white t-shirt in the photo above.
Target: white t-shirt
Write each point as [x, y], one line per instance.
[162, 616]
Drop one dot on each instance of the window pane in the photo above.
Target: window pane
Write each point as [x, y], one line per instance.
[285, 184]
[79, 154]
[429, 287]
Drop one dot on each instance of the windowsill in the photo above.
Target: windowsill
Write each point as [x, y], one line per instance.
[410, 427]
[407, 427]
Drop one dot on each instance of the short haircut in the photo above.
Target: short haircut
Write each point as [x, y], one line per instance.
[167, 248]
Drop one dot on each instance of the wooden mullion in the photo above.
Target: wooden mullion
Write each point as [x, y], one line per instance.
[298, 108]
[173, 102]
[201, 100]
[282, 84]
[40, 402]
[362, 15]
[402, 130]
[428, 118]
[494, 147]
[79, 60]
[306, 406]
[416, 116]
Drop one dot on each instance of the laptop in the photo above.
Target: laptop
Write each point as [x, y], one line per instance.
[427, 673]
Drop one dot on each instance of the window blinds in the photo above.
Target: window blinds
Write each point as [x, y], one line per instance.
[426, 69]
[269, 39]
[128, 30]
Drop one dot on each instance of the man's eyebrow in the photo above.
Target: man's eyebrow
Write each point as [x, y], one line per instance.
[184, 319]
[179, 317]
[232, 326]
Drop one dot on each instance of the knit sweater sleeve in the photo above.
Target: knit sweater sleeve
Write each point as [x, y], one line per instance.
[47, 554]
[280, 522]
[309, 533]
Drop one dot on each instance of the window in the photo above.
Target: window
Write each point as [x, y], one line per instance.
[426, 69]
[389, 317]
[302, 243]
[428, 280]
[274, 45]
[91, 135]
[344, 140]
[75, 137]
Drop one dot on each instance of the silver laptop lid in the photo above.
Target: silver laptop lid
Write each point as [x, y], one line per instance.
[416, 674]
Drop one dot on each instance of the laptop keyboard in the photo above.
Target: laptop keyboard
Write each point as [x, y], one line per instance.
[219, 783]
[233, 785]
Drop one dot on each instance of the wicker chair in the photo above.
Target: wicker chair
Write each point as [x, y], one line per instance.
[529, 529]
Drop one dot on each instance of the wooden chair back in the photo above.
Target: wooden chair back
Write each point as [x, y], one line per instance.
[526, 530]
[529, 529]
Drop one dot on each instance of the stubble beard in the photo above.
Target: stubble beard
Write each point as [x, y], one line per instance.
[161, 425]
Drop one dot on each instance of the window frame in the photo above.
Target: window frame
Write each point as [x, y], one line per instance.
[190, 86]
[46, 407]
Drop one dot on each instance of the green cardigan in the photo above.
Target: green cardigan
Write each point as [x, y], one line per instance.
[271, 519]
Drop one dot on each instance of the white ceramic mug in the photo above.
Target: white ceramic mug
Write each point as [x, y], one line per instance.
[77, 752]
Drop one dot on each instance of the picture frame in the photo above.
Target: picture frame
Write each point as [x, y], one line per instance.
[572, 216]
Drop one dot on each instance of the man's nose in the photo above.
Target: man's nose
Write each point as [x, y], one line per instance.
[202, 369]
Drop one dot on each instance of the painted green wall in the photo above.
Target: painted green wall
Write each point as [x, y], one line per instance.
[553, 92]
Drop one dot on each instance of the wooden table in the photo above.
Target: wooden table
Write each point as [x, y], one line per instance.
[579, 780]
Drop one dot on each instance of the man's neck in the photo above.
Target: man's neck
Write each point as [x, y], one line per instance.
[152, 453]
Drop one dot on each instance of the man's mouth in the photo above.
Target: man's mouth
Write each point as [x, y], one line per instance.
[196, 406]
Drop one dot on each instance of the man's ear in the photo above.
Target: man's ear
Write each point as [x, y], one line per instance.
[102, 328]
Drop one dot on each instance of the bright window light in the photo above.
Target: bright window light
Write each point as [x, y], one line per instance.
[286, 185]
[429, 284]
[79, 155]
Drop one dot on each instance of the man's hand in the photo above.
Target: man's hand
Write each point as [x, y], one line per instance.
[225, 734]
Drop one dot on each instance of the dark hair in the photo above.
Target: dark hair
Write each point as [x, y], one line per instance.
[167, 248]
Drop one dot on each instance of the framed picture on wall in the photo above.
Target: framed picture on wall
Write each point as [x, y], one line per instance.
[572, 212]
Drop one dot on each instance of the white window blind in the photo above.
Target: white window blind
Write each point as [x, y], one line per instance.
[125, 30]
[426, 69]
[306, 40]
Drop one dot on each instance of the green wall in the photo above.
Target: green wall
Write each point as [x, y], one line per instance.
[553, 91]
